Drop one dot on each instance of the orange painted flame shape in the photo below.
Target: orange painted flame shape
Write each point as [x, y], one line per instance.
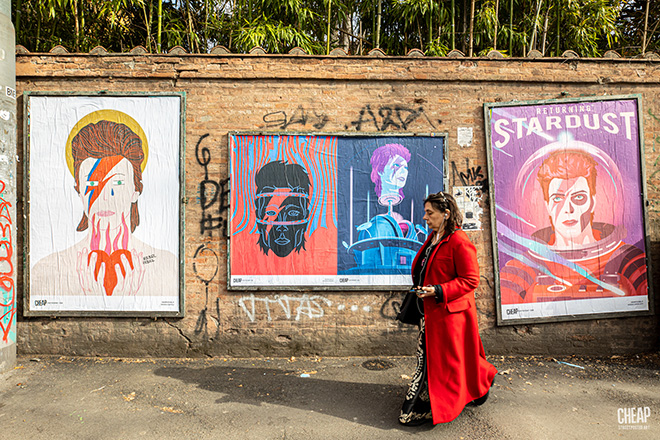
[110, 278]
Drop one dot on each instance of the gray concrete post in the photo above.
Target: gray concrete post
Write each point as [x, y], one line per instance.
[8, 296]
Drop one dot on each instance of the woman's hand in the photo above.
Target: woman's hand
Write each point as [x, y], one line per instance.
[425, 291]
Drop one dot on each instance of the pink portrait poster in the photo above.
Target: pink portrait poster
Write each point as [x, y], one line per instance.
[568, 203]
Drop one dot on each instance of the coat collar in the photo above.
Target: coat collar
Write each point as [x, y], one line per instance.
[444, 239]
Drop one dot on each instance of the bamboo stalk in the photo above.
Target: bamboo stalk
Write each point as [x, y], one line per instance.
[471, 27]
[160, 25]
[646, 25]
[327, 49]
[497, 22]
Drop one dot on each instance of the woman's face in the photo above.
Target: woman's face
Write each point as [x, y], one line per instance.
[107, 191]
[434, 218]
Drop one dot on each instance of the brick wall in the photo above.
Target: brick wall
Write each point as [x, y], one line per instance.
[237, 92]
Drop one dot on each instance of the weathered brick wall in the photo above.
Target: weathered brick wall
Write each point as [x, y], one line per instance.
[333, 94]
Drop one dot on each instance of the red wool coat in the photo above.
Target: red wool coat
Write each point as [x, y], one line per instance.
[457, 369]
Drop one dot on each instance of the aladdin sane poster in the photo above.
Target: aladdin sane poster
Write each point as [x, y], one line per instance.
[326, 210]
[567, 198]
[104, 212]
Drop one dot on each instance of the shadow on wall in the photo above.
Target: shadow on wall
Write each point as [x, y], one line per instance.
[654, 257]
[284, 387]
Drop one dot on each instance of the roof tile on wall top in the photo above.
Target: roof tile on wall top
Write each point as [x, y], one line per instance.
[336, 52]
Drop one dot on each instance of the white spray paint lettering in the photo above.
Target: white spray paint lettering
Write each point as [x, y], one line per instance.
[305, 305]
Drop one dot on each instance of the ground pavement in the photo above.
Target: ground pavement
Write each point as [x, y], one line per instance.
[319, 398]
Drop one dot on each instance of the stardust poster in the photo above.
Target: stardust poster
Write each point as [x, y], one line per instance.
[567, 198]
[328, 210]
[104, 209]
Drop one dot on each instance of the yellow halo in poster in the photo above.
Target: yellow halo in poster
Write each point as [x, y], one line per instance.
[112, 116]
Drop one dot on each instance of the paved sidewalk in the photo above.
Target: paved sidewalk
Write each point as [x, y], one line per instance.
[324, 398]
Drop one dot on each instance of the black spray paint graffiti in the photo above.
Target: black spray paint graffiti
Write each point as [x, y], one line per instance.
[382, 118]
[300, 116]
[391, 306]
[473, 176]
[205, 265]
[389, 118]
[213, 195]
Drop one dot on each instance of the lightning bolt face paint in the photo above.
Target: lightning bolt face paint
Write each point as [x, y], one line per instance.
[284, 213]
[107, 191]
[98, 178]
[395, 173]
[571, 207]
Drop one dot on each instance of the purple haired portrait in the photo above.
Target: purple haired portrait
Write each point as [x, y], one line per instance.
[389, 172]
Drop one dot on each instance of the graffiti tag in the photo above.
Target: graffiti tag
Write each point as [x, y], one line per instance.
[213, 195]
[7, 291]
[294, 307]
[473, 176]
[389, 118]
[300, 116]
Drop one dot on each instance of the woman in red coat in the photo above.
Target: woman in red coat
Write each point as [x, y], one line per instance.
[452, 369]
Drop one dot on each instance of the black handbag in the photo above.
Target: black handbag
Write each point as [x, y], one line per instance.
[412, 309]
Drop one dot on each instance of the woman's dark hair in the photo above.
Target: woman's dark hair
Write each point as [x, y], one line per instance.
[443, 201]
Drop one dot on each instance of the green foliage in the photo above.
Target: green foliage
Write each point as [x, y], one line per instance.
[436, 48]
[630, 23]
[588, 27]
[273, 36]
